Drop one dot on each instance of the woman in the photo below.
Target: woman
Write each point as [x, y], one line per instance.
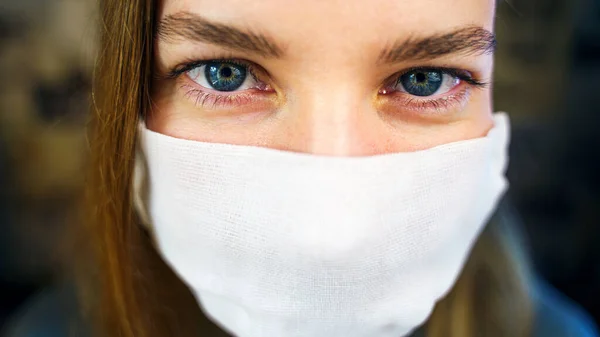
[311, 168]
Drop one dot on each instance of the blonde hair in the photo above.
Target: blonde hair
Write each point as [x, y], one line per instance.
[130, 289]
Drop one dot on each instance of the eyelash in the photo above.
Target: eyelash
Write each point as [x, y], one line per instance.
[204, 98]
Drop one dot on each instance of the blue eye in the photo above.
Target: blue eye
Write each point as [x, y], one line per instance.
[225, 76]
[424, 83]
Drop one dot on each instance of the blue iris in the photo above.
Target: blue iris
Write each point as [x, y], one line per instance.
[422, 83]
[224, 76]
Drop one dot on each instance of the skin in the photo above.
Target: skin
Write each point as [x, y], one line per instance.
[324, 91]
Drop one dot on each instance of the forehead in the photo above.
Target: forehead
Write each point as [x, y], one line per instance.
[298, 23]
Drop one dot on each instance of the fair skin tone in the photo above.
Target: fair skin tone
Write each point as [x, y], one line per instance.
[331, 77]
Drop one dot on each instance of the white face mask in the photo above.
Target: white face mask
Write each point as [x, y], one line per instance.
[275, 243]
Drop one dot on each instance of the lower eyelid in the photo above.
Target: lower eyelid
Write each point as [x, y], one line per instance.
[190, 91]
[403, 103]
[214, 100]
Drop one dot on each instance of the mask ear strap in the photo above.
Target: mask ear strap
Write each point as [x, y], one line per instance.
[140, 192]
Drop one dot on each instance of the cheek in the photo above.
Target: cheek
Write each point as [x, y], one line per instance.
[473, 121]
[476, 121]
[481, 110]
[162, 111]
[176, 117]
[414, 138]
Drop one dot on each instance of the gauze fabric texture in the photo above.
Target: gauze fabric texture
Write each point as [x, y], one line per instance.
[275, 243]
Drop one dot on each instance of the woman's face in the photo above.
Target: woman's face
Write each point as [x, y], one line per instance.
[339, 78]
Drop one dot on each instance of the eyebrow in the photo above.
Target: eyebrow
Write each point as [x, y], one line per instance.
[196, 28]
[468, 40]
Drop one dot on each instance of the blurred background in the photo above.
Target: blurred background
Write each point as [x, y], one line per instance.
[547, 78]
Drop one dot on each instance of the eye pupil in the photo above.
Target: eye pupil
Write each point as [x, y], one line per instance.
[421, 83]
[224, 76]
[226, 72]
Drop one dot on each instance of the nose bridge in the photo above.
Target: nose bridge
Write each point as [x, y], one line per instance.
[336, 123]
